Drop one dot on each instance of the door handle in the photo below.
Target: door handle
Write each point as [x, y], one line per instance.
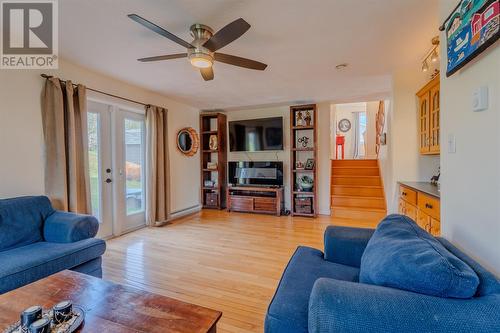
[108, 180]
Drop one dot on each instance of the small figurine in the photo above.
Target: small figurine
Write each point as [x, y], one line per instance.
[213, 145]
[308, 118]
[435, 179]
[299, 121]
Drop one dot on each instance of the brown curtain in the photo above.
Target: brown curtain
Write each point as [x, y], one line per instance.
[157, 167]
[64, 115]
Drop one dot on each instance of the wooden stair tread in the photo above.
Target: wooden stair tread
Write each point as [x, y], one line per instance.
[356, 196]
[364, 209]
[355, 167]
[354, 176]
[358, 186]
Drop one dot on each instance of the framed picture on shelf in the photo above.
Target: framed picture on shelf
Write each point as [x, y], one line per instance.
[212, 165]
[309, 164]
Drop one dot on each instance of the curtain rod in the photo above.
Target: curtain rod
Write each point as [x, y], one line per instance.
[46, 76]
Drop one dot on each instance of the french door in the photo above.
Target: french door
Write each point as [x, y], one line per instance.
[116, 141]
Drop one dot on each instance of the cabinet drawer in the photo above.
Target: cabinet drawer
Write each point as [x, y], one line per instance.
[411, 211]
[408, 195]
[241, 203]
[265, 204]
[435, 227]
[424, 221]
[429, 205]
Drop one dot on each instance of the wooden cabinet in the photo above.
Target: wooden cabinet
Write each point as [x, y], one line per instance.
[303, 121]
[213, 159]
[428, 117]
[265, 200]
[421, 207]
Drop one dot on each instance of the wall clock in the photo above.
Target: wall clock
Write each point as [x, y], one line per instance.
[344, 125]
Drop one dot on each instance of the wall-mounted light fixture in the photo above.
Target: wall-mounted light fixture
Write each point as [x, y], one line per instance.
[432, 55]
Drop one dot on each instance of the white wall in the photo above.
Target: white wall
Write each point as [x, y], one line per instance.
[470, 182]
[323, 162]
[21, 139]
[406, 162]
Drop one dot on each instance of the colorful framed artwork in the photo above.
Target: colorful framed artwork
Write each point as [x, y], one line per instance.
[470, 29]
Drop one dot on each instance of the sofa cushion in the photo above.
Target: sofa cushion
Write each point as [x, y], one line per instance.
[21, 220]
[289, 308]
[402, 255]
[488, 283]
[32, 262]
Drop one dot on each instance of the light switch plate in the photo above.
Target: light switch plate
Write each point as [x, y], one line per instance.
[480, 99]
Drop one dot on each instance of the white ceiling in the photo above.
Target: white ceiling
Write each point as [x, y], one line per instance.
[300, 40]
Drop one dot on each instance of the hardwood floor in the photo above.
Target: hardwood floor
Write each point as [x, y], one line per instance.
[229, 262]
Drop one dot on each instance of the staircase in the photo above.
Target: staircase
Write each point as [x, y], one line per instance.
[356, 190]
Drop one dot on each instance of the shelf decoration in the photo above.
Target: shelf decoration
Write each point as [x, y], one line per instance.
[303, 154]
[213, 159]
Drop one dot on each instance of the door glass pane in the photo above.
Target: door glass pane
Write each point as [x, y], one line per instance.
[94, 162]
[134, 166]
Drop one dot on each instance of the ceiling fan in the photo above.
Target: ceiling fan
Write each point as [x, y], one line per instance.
[201, 52]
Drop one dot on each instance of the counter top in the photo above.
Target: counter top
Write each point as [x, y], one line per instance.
[424, 187]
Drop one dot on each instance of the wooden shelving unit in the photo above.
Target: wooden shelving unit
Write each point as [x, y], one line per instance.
[213, 124]
[300, 153]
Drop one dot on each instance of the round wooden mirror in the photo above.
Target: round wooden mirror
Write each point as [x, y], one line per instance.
[187, 141]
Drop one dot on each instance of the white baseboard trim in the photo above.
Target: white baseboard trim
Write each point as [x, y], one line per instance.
[184, 212]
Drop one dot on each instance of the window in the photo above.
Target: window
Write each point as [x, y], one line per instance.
[134, 165]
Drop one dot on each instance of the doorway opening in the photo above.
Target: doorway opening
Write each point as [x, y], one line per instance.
[353, 130]
[116, 153]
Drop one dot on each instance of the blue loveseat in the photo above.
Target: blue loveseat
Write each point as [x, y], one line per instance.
[37, 241]
[320, 292]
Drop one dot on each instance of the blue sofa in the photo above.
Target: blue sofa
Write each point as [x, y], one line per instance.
[321, 292]
[37, 241]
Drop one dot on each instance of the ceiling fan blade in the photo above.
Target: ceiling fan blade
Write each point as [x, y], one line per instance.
[226, 35]
[163, 57]
[207, 73]
[239, 61]
[159, 30]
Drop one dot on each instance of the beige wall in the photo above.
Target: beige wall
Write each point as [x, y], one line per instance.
[284, 155]
[21, 167]
[401, 159]
[470, 182]
[371, 130]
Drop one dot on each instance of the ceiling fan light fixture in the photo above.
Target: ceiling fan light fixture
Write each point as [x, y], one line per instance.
[200, 60]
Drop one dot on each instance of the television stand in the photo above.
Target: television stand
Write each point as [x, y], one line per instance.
[255, 199]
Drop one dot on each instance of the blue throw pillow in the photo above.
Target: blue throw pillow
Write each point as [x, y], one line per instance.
[402, 255]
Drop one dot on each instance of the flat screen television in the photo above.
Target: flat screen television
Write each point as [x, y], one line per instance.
[255, 173]
[256, 134]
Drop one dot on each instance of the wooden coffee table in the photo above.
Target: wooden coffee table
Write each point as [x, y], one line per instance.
[109, 307]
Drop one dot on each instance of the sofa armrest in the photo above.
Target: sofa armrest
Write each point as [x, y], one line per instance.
[345, 245]
[342, 306]
[63, 227]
